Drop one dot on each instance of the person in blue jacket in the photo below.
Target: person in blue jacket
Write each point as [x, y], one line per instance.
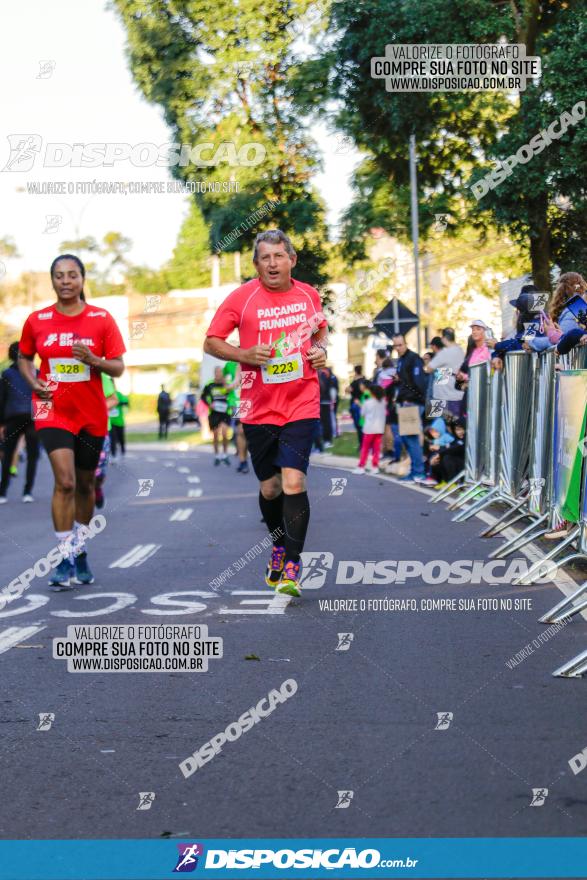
[529, 334]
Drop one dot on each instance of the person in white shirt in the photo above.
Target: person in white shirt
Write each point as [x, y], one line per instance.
[373, 412]
[447, 362]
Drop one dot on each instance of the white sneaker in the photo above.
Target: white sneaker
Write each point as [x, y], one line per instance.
[359, 470]
[3, 499]
[27, 499]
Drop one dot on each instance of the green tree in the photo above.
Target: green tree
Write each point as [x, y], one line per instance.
[458, 132]
[225, 73]
[189, 266]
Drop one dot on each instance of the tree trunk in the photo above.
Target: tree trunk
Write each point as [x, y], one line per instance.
[540, 258]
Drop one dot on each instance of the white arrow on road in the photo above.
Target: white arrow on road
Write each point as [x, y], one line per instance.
[139, 554]
[14, 635]
[180, 514]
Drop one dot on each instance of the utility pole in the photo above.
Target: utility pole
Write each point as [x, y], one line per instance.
[415, 234]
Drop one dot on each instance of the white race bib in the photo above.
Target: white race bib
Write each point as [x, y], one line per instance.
[282, 369]
[220, 406]
[68, 370]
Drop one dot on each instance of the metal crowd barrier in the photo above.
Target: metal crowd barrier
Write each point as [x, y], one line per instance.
[525, 426]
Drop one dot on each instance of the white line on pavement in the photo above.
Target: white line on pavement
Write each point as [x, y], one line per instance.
[14, 635]
[183, 470]
[193, 479]
[181, 514]
[139, 554]
[194, 493]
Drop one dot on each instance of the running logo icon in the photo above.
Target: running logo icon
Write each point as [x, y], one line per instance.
[247, 379]
[146, 799]
[338, 485]
[42, 409]
[187, 860]
[145, 487]
[539, 796]
[444, 720]
[315, 565]
[152, 302]
[344, 800]
[344, 641]
[46, 719]
[52, 223]
[23, 151]
[243, 409]
[435, 409]
[46, 69]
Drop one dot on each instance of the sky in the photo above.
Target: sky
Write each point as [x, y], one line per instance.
[66, 80]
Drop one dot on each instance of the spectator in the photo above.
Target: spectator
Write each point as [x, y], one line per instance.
[392, 444]
[163, 410]
[450, 460]
[16, 421]
[380, 356]
[529, 332]
[354, 389]
[410, 391]
[445, 365]
[436, 437]
[477, 353]
[373, 411]
[562, 328]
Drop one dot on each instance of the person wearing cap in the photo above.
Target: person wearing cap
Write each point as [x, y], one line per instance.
[529, 334]
[477, 350]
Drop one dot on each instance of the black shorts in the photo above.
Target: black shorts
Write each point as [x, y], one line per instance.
[216, 418]
[86, 447]
[273, 447]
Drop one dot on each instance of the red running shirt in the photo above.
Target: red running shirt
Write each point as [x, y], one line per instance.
[288, 389]
[78, 401]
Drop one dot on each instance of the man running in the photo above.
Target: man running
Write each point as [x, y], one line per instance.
[216, 394]
[76, 343]
[281, 346]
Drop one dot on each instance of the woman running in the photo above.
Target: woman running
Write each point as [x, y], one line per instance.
[76, 343]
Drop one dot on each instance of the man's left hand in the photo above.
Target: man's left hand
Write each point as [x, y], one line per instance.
[317, 356]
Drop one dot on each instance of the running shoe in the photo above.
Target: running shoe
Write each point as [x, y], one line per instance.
[430, 481]
[290, 579]
[245, 467]
[3, 499]
[13, 471]
[420, 480]
[27, 499]
[99, 497]
[226, 460]
[83, 573]
[275, 567]
[217, 461]
[63, 574]
[407, 479]
[440, 485]
[358, 470]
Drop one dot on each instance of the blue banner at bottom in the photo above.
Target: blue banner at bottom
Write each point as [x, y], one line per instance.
[303, 858]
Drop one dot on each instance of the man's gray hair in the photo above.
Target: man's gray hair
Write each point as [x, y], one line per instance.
[273, 236]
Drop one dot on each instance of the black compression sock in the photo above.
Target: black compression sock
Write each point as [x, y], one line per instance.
[296, 516]
[272, 512]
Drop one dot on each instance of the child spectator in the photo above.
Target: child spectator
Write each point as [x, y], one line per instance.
[373, 412]
[450, 460]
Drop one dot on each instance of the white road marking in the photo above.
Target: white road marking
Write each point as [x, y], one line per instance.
[32, 601]
[16, 634]
[275, 603]
[181, 514]
[193, 479]
[168, 464]
[183, 470]
[121, 600]
[150, 458]
[194, 493]
[137, 556]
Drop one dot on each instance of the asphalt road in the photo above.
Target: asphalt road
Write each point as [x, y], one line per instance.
[363, 718]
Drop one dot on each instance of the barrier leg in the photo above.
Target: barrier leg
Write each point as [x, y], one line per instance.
[526, 579]
[575, 668]
[469, 493]
[567, 608]
[524, 537]
[448, 489]
[502, 523]
[468, 512]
